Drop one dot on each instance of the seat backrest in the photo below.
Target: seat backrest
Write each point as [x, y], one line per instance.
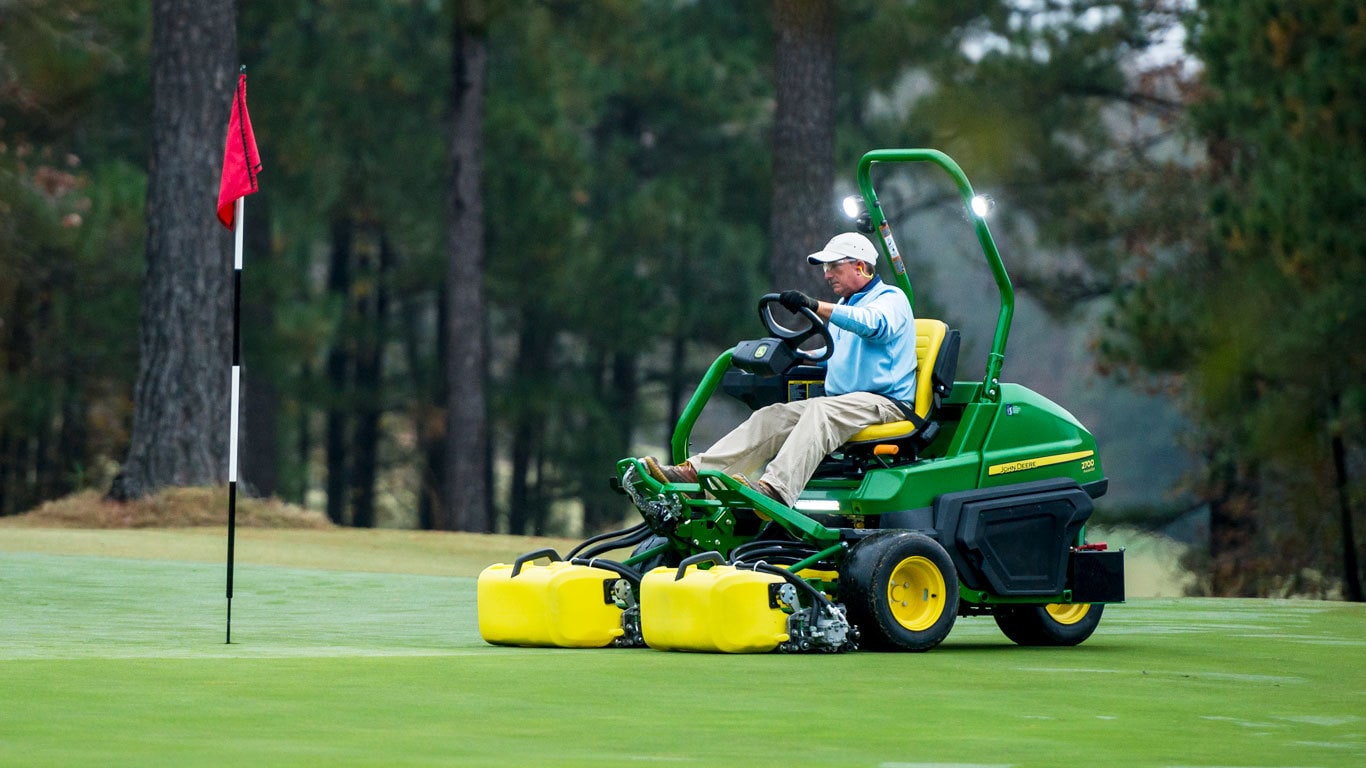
[929, 341]
[936, 353]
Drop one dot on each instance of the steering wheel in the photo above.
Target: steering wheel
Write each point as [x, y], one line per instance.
[795, 338]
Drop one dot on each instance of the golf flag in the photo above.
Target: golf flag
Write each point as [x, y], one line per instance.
[241, 162]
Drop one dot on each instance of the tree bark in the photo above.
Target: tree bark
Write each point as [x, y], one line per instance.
[339, 367]
[372, 314]
[803, 214]
[1232, 529]
[623, 407]
[466, 504]
[1351, 566]
[429, 415]
[260, 452]
[678, 358]
[180, 398]
[526, 505]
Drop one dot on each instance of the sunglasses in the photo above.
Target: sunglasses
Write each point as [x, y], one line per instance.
[830, 265]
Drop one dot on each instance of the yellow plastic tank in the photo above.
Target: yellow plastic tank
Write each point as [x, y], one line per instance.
[557, 605]
[715, 609]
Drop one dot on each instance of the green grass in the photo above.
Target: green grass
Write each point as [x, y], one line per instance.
[122, 661]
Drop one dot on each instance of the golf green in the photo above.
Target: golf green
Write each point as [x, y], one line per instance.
[121, 661]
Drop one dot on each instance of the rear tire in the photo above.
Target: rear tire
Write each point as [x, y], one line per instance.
[901, 590]
[1055, 624]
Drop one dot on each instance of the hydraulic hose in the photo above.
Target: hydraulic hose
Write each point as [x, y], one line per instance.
[637, 535]
[790, 577]
[752, 552]
[608, 535]
[785, 552]
[624, 571]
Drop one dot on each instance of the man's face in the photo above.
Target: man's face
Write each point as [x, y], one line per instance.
[847, 276]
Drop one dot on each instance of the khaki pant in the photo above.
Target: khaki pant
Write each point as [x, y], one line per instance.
[793, 438]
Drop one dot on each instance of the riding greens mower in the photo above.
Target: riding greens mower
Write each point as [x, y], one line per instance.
[976, 504]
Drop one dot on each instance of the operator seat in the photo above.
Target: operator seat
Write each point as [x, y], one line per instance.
[936, 352]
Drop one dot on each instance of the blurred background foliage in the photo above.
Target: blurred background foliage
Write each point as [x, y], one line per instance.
[1178, 184]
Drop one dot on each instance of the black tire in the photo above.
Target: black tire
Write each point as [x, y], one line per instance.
[1055, 624]
[670, 557]
[900, 589]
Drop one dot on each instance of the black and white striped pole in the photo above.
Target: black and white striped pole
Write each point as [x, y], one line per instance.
[241, 164]
[236, 394]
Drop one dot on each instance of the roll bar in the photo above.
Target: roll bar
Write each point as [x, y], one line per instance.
[991, 382]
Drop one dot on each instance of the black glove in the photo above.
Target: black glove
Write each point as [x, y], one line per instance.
[795, 300]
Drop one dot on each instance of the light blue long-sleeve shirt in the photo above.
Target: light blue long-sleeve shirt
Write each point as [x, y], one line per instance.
[874, 336]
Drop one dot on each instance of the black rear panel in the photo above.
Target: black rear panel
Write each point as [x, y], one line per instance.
[1015, 540]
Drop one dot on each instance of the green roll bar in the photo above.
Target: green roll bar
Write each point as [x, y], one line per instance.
[678, 446]
[991, 382]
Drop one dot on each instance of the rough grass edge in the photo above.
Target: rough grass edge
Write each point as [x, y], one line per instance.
[168, 508]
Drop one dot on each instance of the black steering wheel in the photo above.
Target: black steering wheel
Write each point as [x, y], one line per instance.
[795, 338]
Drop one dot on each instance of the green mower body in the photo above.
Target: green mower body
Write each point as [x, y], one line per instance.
[1001, 479]
[977, 506]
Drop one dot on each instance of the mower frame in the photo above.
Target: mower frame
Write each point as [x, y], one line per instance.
[1004, 488]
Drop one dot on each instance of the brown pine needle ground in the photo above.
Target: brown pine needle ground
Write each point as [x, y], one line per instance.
[168, 508]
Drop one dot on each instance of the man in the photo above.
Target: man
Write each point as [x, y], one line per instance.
[872, 365]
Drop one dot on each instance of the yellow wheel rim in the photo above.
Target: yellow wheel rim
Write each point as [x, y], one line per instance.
[915, 593]
[1067, 613]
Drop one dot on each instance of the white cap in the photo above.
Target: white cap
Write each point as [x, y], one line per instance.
[848, 245]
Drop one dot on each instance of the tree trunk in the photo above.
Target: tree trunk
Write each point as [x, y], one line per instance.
[73, 439]
[526, 513]
[1351, 567]
[16, 354]
[372, 315]
[429, 417]
[466, 501]
[602, 506]
[180, 399]
[259, 438]
[523, 514]
[1232, 529]
[339, 364]
[300, 481]
[678, 358]
[803, 214]
[9, 484]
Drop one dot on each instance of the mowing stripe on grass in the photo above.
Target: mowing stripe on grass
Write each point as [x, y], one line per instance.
[109, 661]
[62, 607]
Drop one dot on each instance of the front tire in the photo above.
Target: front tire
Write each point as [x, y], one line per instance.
[1055, 624]
[901, 590]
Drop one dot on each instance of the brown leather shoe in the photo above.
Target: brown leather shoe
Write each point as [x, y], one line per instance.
[668, 473]
[760, 487]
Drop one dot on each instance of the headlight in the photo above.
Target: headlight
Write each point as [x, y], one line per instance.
[982, 205]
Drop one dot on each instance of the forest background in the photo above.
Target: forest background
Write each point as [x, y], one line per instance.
[498, 242]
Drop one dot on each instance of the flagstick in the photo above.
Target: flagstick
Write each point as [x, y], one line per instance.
[236, 378]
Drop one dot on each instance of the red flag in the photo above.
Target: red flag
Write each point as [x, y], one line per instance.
[241, 162]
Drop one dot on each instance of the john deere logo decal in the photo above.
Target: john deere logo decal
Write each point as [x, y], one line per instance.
[761, 351]
[1043, 461]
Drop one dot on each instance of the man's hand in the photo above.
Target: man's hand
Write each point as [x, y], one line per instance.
[795, 300]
